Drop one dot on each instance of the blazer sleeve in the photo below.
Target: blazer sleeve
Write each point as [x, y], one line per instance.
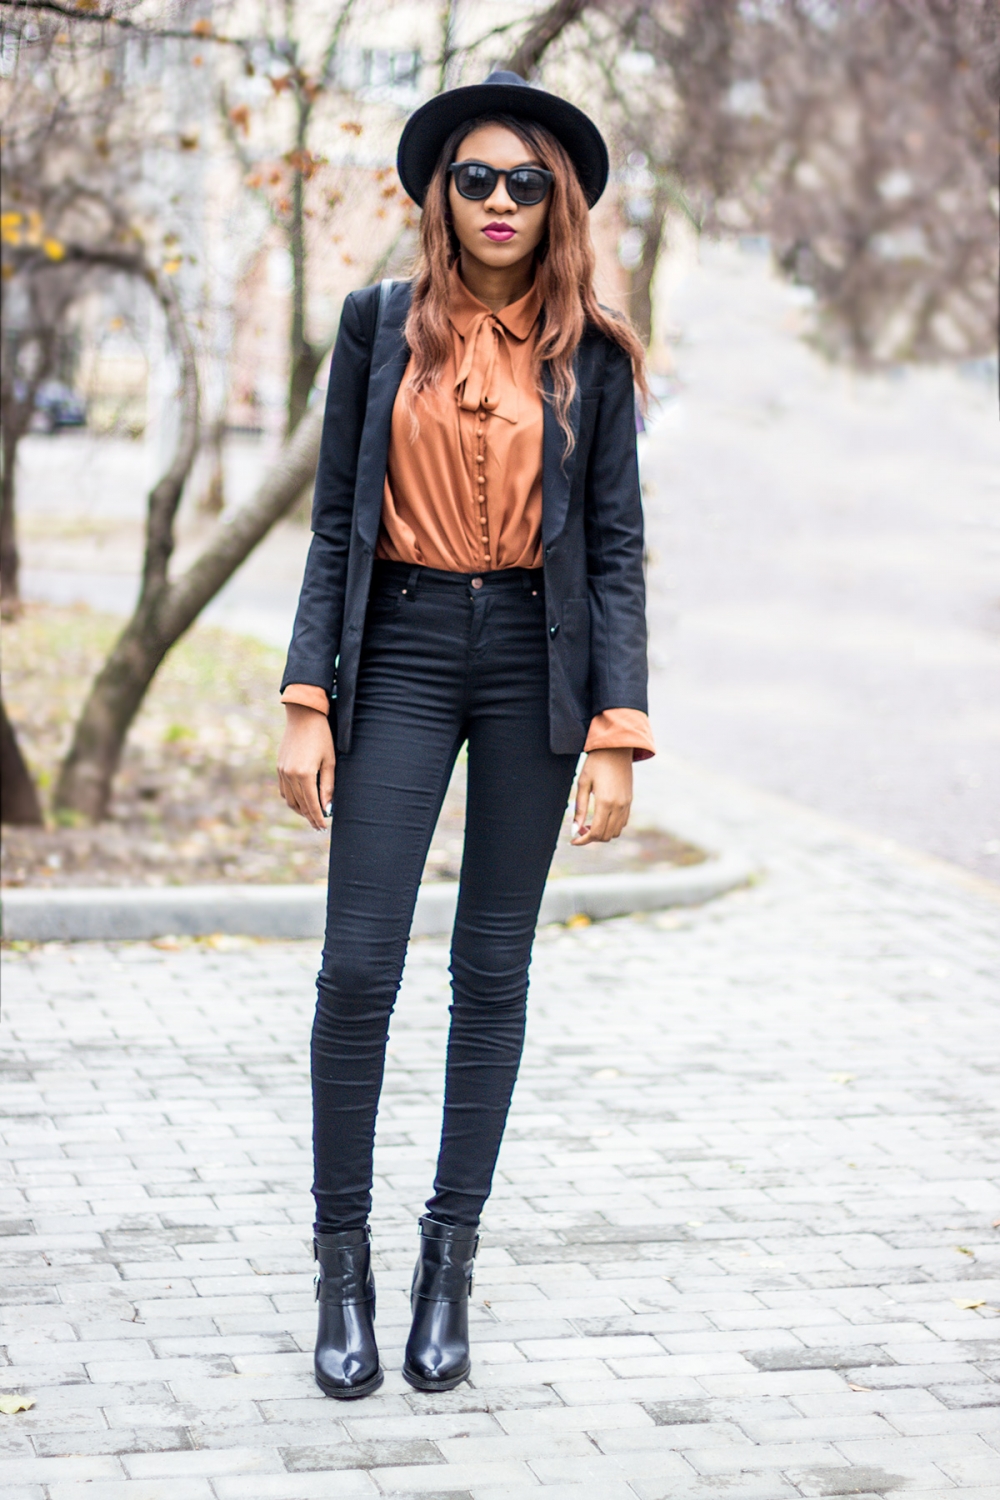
[614, 532]
[315, 645]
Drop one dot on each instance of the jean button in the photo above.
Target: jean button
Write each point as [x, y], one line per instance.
[477, 583]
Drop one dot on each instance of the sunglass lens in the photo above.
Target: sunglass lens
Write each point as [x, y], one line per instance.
[475, 180]
[527, 187]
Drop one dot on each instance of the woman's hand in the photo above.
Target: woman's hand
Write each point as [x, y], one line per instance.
[305, 756]
[607, 777]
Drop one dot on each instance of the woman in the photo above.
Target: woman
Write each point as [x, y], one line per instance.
[475, 576]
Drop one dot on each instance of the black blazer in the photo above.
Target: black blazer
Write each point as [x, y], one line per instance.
[591, 527]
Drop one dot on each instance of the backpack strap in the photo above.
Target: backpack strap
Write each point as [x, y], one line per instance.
[384, 289]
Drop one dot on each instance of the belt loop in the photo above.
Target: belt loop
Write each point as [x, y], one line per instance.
[410, 590]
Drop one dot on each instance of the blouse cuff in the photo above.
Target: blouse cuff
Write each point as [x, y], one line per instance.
[622, 729]
[307, 696]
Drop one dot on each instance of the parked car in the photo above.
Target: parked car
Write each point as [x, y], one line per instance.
[55, 406]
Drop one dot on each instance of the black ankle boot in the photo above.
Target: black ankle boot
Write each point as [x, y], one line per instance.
[437, 1351]
[346, 1361]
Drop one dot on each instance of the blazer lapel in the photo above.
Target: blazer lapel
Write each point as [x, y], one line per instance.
[557, 471]
[390, 356]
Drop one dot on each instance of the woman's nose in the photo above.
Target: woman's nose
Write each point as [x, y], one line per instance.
[500, 200]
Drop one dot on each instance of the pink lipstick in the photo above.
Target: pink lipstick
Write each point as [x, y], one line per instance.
[500, 233]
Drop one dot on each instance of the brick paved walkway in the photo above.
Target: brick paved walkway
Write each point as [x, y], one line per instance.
[740, 1245]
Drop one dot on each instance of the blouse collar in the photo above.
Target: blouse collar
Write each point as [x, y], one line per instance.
[519, 318]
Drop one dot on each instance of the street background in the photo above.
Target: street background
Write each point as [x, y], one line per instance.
[744, 1237]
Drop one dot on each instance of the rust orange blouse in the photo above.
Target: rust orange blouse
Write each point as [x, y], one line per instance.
[465, 493]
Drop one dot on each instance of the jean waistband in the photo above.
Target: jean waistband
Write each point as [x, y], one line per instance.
[414, 578]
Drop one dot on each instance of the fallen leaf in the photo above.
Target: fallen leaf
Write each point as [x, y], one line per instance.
[852, 1387]
[968, 1304]
[12, 1403]
[963, 1251]
[842, 1077]
[578, 919]
[996, 1223]
[606, 1073]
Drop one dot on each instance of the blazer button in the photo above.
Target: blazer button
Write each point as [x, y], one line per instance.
[553, 630]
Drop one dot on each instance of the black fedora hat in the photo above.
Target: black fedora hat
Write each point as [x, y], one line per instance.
[427, 129]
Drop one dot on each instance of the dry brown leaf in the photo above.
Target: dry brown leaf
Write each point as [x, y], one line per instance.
[852, 1387]
[968, 1304]
[11, 1403]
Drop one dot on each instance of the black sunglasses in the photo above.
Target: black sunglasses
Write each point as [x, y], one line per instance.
[476, 180]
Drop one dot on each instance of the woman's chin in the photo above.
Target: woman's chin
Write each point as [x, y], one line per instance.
[499, 255]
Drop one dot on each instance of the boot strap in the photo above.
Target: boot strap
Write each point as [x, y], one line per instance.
[344, 1275]
[451, 1282]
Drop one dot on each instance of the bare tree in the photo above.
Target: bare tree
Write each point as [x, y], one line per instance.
[873, 132]
[303, 76]
[52, 179]
[168, 605]
[860, 138]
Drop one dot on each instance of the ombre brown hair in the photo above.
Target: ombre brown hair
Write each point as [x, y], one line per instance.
[565, 260]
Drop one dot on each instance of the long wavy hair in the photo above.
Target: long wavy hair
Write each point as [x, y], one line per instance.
[565, 272]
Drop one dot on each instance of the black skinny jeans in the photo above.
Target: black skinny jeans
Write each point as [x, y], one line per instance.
[447, 658]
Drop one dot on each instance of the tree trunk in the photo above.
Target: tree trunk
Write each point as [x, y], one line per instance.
[10, 562]
[18, 798]
[641, 279]
[84, 785]
[162, 616]
[304, 359]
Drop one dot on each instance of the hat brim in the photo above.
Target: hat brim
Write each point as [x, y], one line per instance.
[427, 129]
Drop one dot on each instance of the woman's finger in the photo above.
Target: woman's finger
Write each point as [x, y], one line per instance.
[285, 789]
[326, 780]
[584, 786]
[309, 799]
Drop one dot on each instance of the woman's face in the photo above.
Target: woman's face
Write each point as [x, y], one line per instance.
[497, 231]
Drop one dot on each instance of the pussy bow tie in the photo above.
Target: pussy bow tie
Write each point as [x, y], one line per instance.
[485, 347]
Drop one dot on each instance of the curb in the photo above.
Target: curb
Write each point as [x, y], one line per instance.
[102, 913]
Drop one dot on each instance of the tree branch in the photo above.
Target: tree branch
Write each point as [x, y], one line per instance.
[539, 37]
[124, 23]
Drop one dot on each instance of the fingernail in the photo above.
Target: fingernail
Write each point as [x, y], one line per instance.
[576, 831]
[328, 810]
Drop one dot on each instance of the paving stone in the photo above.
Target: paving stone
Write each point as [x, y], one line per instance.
[131, 1489]
[699, 1242]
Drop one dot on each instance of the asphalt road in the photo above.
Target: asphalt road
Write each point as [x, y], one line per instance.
[824, 565]
[825, 572]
